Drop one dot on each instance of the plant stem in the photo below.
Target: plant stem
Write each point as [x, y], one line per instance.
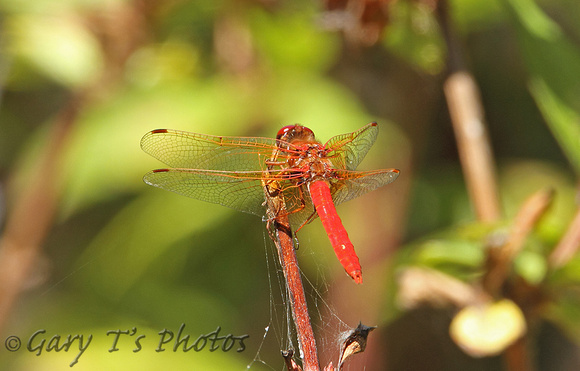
[289, 263]
[475, 153]
[32, 213]
[466, 110]
[34, 207]
[500, 261]
[568, 245]
[517, 357]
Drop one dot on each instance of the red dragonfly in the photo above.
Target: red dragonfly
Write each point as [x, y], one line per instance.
[233, 171]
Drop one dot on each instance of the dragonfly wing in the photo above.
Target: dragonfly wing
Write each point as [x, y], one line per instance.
[181, 149]
[346, 151]
[352, 184]
[239, 190]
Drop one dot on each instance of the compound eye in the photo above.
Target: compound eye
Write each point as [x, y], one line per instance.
[307, 130]
[284, 130]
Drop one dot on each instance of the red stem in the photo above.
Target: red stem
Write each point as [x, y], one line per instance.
[287, 253]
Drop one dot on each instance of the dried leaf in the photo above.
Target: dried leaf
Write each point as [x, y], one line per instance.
[355, 342]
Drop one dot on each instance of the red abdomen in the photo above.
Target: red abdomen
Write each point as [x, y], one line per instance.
[343, 248]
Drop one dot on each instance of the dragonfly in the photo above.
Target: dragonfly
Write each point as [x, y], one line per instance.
[240, 172]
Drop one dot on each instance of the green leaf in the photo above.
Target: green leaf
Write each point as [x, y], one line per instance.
[58, 46]
[554, 66]
[563, 120]
[413, 35]
[293, 41]
[457, 252]
[531, 266]
[134, 239]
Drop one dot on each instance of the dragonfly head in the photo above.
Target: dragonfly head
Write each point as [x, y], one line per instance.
[296, 134]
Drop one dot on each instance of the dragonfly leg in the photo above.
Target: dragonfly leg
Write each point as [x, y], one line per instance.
[310, 218]
[302, 204]
[298, 209]
[271, 163]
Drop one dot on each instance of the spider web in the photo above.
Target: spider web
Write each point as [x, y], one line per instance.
[329, 329]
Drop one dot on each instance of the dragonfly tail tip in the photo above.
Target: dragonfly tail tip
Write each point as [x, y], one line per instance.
[357, 277]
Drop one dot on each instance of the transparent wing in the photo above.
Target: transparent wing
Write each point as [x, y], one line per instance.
[347, 185]
[181, 149]
[230, 171]
[346, 151]
[239, 190]
[299, 204]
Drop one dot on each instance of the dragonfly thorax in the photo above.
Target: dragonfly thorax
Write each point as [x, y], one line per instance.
[312, 162]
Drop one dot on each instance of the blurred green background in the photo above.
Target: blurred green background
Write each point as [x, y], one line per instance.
[118, 254]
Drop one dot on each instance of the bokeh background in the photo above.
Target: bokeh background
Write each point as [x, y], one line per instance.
[86, 247]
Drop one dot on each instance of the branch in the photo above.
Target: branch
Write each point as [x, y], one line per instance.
[33, 209]
[475, 153]
[466, 110]
[500, 260]
[568, 245]
[32, 213]
[283, 240]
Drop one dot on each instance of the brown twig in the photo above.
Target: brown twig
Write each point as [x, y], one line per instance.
[501, 260]
[517, 357]
[568, 245]
[287, 254]
[32, 213]
[466, 110]
[418, 286]
[30, 217]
